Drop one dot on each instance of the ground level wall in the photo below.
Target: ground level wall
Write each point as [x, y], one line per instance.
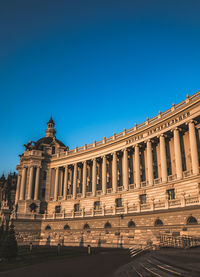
[51, 232]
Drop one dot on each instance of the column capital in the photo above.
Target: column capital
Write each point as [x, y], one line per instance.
[176, 129]
[191, 121]
[162, 135]
[147, 141]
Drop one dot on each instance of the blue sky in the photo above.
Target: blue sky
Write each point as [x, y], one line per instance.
[97, 66]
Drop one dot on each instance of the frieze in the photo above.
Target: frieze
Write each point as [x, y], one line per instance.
[159, 128]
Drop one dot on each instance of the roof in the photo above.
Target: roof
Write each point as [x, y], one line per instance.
[49, 140]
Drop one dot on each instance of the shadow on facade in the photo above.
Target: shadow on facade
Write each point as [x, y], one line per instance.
[81, 241]
[48, 241]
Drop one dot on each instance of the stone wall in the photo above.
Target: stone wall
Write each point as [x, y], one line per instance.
[119, 235]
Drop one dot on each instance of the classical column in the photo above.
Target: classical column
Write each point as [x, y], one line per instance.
[65, 183]
[177, 150]
[193, 148]
[163, 158]
[22, 188]
[84, 178]
[37, 181]
[94, 177]
[125, 169]
[30, 185]
[18, 188]
[149, 162]
[137, 166]
[114, 172]
[74, 181]
[56, 184]
[104, 175]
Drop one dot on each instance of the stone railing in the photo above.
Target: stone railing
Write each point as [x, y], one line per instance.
[113, 210]
[132, 130]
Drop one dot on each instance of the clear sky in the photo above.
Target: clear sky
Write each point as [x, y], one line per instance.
[98, 65]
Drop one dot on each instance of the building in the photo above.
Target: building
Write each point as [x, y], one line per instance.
[7, 196]
[125, 189]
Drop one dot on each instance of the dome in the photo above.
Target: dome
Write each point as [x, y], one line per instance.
[49, 140]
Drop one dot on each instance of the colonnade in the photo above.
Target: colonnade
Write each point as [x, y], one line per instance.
[24, 189]
[117, 171]
[107, 178]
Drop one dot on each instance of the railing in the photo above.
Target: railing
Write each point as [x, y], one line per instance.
[69, 196]
[192, 200]
[187, 173]
[172, 177]
[179, 241]
[174, 202]
[136, 127]
[131, 187]
[109, 190]
[99, 192]
[120, 188]
[159, 205]
[128, 208]
[145, 206]
[89, 193]
[157, 181]
[143, 184]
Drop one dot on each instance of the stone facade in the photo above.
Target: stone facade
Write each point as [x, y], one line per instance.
[125, 189]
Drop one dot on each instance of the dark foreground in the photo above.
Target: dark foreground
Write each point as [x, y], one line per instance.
[113, 263]
[102, 262]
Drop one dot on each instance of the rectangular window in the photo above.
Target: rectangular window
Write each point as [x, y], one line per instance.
[97, 205]
[57, 209]
[118, 202]
[76, 207]
[171, 194]
[143, 199]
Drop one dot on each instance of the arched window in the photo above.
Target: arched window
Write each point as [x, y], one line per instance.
[107, 225]
[47, 228]
[158, 222]
[191, 220]
[131, 224]
[66, 227]
[86, 226]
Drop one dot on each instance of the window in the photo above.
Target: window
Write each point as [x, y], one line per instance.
[53, 149]
[191, 220]
[86, 226]
[48, 228]
[118, 202]
[171, 194]
[66, 227]
[143, 199]
[57, 209]
[131, 224]
[158, 222]
[97, 205]
[76, 207]
[33, 207]
[107, 225]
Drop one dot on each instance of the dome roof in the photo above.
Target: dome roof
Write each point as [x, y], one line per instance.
[49, 140]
